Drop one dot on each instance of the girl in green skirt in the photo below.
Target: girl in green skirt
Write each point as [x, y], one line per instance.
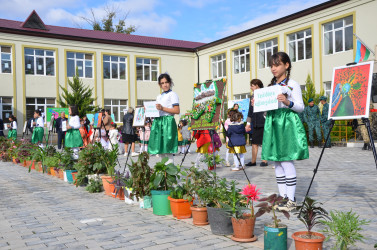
[12, 134]
[73, 137]
[284, 138]
[38, 131]
[164, 137]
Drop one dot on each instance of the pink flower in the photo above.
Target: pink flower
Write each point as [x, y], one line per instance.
[250, 192]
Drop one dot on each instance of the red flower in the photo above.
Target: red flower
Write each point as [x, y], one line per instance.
[250, 192]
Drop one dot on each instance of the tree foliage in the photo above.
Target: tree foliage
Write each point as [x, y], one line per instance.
[80, 95]
[107, 22]
[310, 92]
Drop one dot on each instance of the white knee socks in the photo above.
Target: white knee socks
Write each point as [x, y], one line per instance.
[236, 162]
[227, 155]
[197, 161]
[286, 178]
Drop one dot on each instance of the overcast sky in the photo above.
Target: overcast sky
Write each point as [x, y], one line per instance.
[191, 20]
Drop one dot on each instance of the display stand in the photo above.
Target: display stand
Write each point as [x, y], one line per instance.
[367, 125]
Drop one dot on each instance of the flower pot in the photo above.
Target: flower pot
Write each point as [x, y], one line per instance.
[74, 177]
[27, 163]
[199, 216]
[161, 204]
[220, 222]
[127, 197]
[275, 238]
[147, 201]
[39, 167]
[33, 165]
[244, 229]
[119, 195]
[51, 170]
[68, 174]
[56, 172]
[308, 244]
[109, 188]
[180, 208]
[14, 160]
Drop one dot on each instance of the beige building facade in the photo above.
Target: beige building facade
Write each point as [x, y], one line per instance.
[123, 69]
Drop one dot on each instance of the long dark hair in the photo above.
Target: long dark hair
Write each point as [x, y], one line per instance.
[167, 77]
[74, 110]
[256, 82]
[13, 118]
[276, 59]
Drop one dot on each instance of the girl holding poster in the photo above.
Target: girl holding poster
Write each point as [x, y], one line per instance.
[164, 136]
[284, 138]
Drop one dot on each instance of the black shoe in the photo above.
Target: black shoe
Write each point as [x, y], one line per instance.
[251, 164]
[365, 146]
[311, 144]
[263, 164]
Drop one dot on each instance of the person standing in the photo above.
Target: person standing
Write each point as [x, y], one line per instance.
[256, 119]
[128, 133]
[113, 136]
[236, 132]
[73, 137]
[311, 117]
[12, 127]
[38, 130]
[284, 138]
[324, 121]
[106, 120]
[61, 129]
[1, 127]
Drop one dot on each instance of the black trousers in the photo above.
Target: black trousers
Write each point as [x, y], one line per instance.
[61, 136]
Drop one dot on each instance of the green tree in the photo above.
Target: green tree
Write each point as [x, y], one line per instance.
[309, 91]
[80, 95]
[107, 22]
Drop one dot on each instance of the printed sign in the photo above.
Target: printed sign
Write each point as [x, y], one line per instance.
[243, 106]
[266, 98]
[55, 112]
[151, 110]
[139, 117]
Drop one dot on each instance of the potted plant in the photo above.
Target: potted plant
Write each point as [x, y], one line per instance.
[275, 234]
[163, 179]
[180, 202]
[211, 161]
[139, 184]
[108, 159]
[310, 214]
[120, 182]
[244, 223]
[67, 164]
[345, 227]
[94, 186]
[51, 162]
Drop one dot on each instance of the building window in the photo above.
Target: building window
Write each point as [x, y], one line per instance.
[146, 69]
[140, 102]
[38, 104]
[241, 60]
[242, 96]
[338, 35]
[114, 67]
[39, 62]
[300, 45]
[116, 107]
[6, 59]
[266, 50]
[327, 88]
[6, 108]
[80, 61]
[218, 66]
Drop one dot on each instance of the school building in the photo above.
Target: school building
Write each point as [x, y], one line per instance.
[122, 69]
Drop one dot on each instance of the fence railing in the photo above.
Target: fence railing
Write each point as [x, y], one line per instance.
[343, 132]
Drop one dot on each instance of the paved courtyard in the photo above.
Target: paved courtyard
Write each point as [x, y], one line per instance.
[39, 211]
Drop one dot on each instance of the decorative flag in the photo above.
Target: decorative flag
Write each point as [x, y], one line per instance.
[362, 52]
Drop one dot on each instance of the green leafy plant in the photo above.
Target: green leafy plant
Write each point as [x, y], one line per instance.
[311, 214]
[140, 176]
[268, 205]
[235, 203]
[164, 176]
[180, 192]
[196, 183]
[94, 186]
[210, 160]
[217, 192]
[120, 181]
[345, 227]
[66, 161]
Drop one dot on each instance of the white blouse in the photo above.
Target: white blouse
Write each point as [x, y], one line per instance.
[14, 125]
[167, 99]
[74, 122]
[294, 95]
[39, 122]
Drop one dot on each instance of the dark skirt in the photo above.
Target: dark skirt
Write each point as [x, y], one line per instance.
[257, 136]
[127, 138]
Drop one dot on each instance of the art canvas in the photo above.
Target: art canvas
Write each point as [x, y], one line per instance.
[243, 104]
[207, 104]
[55, 113]
[350, 91]
[139, 117]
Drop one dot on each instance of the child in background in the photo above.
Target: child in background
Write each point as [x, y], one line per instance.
[90, 134]
[186, 136]
[100, 136]
[73, 137]
[226, 125]
[12, 127]
[84, 134]
[237, 141]
[205, 145]
[144, 136]
[180, 138]
[113, 136]
[38, 130]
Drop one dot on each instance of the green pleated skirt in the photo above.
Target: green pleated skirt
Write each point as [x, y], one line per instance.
[37, 135]
[12, 134]
[284, 137]
[164, 136]
[73, 139]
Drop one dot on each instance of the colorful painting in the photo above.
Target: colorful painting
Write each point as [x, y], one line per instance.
[243, 106]
[207, 104]
[350, 91]
[139, 117]
[55, 112]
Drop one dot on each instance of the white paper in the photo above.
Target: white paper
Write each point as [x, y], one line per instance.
[6, 126]
[64, 126]
[151, 110]
[125, 111]
[266, 98]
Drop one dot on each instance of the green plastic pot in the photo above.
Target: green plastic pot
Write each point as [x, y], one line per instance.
[275, 238]
[69, 175]
[161, 204]
[147, 201]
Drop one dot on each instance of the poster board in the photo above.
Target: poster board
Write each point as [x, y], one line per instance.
[151, 110]
[351, 91]
[55, 112]
[266, 98]
[97, 118]
[243, 106]
[207, 104]
[139, 117]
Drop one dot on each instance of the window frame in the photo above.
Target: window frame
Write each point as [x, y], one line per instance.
[333, 31]
[214, 60]
[84, 60]
[240, 96]
[245, 55]
[10, 60]
[265, 50]
[44, 58]
[119, 106]
[297, 40]
[118, 62]
[36, 104]
[144, 65]
[5, 120]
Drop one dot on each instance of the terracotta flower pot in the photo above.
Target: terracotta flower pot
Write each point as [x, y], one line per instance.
[120, 194]
[74, 177]
[243, 229]
[61, 174]
[39, 167]
[51, 171]
[199, 216]
[109, 188]
[308, 244]
[14, 160]
[33, 165]
[56, 172]
[180, 208]
[27, 163]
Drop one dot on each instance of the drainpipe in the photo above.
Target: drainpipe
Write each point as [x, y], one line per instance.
[196, 52]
